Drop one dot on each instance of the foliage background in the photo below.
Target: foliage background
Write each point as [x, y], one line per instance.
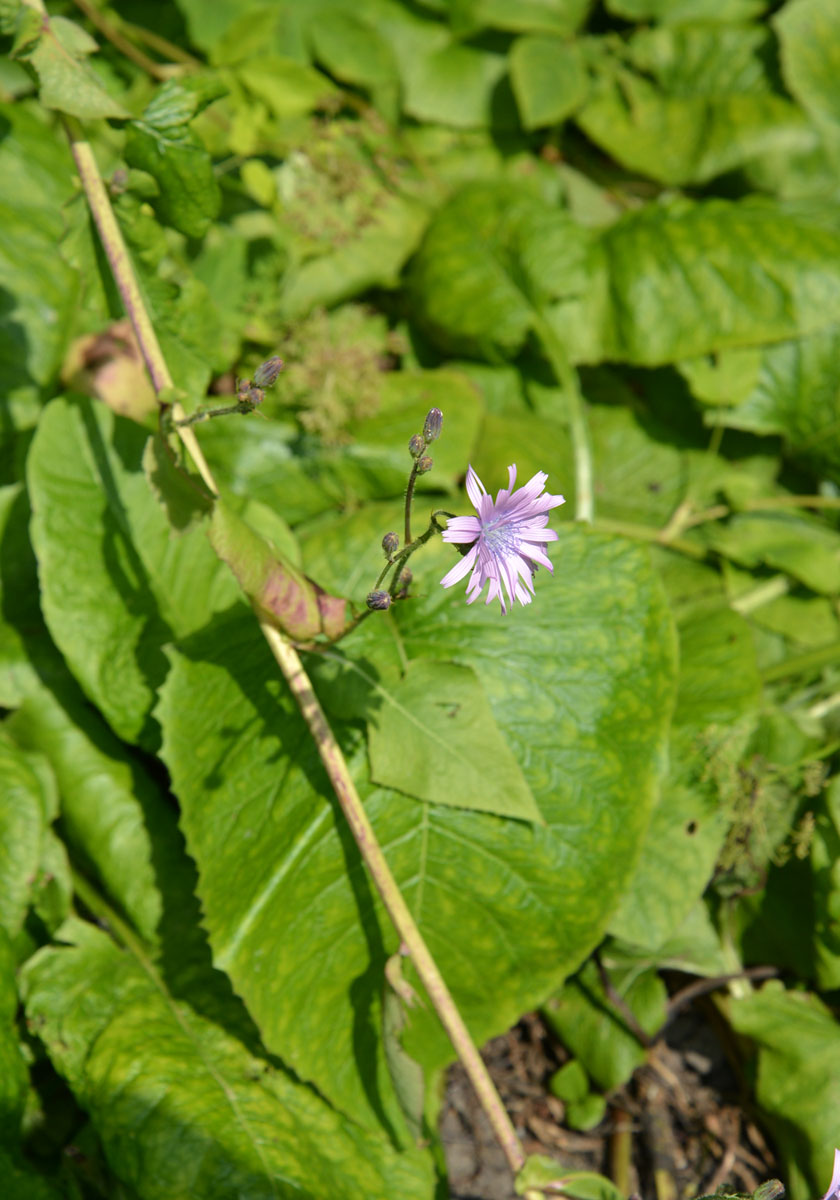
[493, 208]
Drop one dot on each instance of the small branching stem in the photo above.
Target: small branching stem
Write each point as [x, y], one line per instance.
[296, 677]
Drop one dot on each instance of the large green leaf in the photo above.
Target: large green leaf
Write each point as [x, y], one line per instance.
[680, 11]
[580, 685]
[40, 292]
[56, 49]
[809, 41]
[684, 104]
[116, 582]
[13, 1073]
[664, 282]
[798, 1065]
[687, 139]
[519, 16]
[23, 822]
[549, 79]
[792, 389]
[181, 1107]
[432, 735]
[162, 143]
[121, 829]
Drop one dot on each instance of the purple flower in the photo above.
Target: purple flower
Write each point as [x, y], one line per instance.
[834, 1187]
[507, 539]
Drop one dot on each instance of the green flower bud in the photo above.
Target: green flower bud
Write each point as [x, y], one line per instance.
[433, 425]
[424, 464]
[267, 372]
[378, 601]
[417, 445]
[390, 544]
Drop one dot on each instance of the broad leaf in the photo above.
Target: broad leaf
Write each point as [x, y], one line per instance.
[683, 105]
[433, 736]
[13, 1073]
[810, 53]
[798, 1065]
[792, 389]
[217, 1120]
[665, 282]
[593, 1028]
[162, 143]
[23, 823]
[116, 583]
[56, 49]
[549, 79]
[580, 686]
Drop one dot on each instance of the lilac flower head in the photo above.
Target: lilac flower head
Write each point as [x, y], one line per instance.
[833, 1192]
[507, 539]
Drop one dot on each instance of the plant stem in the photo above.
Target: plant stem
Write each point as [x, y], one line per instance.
[567, 378]
[297, 679]
[392, 897]
[409, 496]
[116, 251]
[121, 42]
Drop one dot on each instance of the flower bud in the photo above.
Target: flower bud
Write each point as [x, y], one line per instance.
[417, 445]
[378, 601]
[406, 577]
[390, 544]
[424, 464]
[267, 372]
[433, 425]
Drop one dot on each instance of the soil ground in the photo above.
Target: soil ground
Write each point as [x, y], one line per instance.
[677, 1130]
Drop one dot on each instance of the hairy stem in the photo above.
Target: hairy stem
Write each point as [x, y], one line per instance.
[296, 677]
[392, 897]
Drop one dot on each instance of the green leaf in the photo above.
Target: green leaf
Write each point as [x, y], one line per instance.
[798, 1065]
[115, 583]
[719, 680]
[687, 139]
[804, 548]
[692, 278]
[108, 804]
[14, 1077]
[681, 11]
[357, 53]
[486, 252]
[23, 823]
[20, 1181]
[56, 49]
[520, 16]
[580, 685]
[791, 389]
[459, 85]
[540, 1170]
[25, 646]
[374, 257]
[549, 79]
[810, 52]
[593, 1028]
[41, 294]
[678, 858]
[433, 736]
[665, 282]
[162, 143]
[217, 1121]
[280, 592]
